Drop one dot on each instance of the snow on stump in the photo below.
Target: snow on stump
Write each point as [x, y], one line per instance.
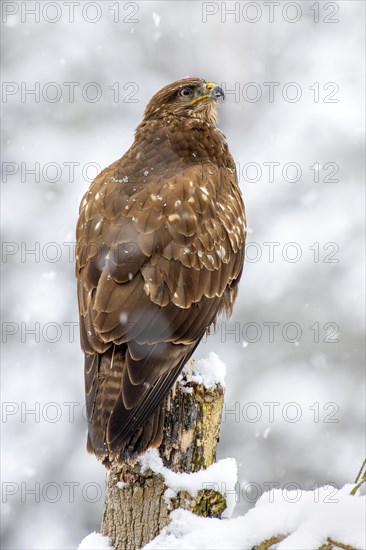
[141, 494]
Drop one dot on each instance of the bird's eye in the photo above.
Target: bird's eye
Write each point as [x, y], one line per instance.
[185, 92]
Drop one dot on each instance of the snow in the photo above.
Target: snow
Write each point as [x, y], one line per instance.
[95, 541]
[307, 521]
[156, 18]
[49, 275]
[305, 518]
[221, 477]
[210, 371]
[266, 432]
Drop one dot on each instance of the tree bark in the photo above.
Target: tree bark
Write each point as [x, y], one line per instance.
[136, 508]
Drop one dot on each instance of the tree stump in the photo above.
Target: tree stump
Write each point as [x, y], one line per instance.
[137, 503]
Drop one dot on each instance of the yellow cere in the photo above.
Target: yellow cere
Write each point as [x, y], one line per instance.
[209, 86]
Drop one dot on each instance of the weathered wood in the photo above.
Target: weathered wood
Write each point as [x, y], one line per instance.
[136, 509]
[329, 545]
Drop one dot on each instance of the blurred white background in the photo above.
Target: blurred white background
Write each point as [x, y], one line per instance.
[312, 127]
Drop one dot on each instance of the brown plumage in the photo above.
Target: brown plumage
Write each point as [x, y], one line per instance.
[160, 248]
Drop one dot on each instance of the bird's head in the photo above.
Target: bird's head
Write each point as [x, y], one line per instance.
[190, 97]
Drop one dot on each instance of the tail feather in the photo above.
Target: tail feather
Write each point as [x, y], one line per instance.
[125, 418]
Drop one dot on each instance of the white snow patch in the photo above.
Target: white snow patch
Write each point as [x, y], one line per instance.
[95, 541]
[307, 521]
[210, 371]
[123, 318]
[156, 18]
[221, 477]
[266, 432]
[49, 275]
[186, 389]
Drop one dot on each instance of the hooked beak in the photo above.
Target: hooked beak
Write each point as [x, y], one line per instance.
[211, 91]
[215, 91]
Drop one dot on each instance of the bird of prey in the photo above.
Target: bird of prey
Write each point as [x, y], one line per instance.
[160, 249]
